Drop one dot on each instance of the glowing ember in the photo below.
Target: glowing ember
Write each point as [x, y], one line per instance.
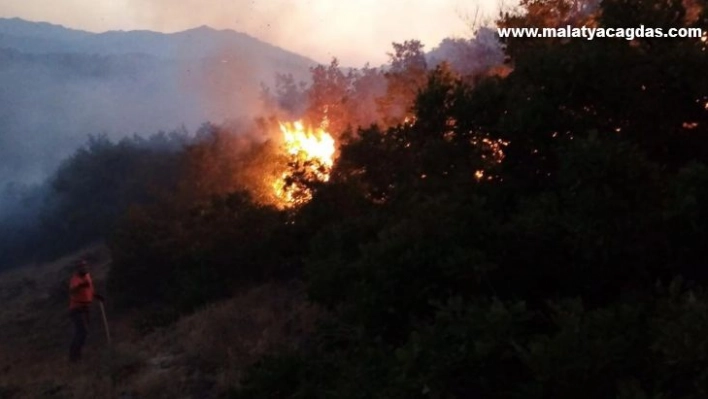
[310, 157]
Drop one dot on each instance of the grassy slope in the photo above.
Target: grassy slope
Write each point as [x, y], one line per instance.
[200, 356]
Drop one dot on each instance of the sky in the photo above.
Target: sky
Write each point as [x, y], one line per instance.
[354, 31]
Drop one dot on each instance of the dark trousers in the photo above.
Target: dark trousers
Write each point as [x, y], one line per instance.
[80, 320]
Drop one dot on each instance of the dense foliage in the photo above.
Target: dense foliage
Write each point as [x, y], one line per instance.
[83, 200]
[575, 267]
[537, 233]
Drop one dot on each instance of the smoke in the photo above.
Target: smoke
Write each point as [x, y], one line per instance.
[354, 32]
[51, 104]
[119, 84]
[229, 83]
[469, 57]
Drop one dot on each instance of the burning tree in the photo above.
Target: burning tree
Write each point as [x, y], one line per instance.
[310, 156]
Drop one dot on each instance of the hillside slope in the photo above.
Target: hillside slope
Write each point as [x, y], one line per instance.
[199, 356]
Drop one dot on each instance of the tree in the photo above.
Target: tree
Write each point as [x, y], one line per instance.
[329, 98]
[406, 75]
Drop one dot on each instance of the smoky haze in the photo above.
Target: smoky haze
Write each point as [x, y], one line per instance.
[101, 99]
[355, 32]
[59, 86]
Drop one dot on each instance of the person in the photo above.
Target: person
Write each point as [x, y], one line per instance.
[81, 296]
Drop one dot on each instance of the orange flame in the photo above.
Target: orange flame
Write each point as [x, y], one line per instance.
[310, 155]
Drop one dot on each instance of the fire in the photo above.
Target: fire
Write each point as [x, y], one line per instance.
[310, 154]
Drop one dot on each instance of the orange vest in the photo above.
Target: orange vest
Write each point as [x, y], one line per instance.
[82, 297]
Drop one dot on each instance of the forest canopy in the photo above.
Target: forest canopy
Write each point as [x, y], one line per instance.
[532, 228]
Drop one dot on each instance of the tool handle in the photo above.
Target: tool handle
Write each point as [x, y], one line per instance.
[105, 322]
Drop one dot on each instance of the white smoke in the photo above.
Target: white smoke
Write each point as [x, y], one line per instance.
[469, 57]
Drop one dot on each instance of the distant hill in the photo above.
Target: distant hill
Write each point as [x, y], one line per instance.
[42, 37]
[60, 85]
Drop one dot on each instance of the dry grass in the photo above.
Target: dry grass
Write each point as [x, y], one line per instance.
[35, 331]
[206, 353]
[200, 356]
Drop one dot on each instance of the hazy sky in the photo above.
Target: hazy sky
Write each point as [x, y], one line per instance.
[355, 31]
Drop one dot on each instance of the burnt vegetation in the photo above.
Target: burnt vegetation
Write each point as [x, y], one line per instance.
[534, 230]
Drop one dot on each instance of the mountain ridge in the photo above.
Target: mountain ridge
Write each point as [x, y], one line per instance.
[61, 85]
[97, 42]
